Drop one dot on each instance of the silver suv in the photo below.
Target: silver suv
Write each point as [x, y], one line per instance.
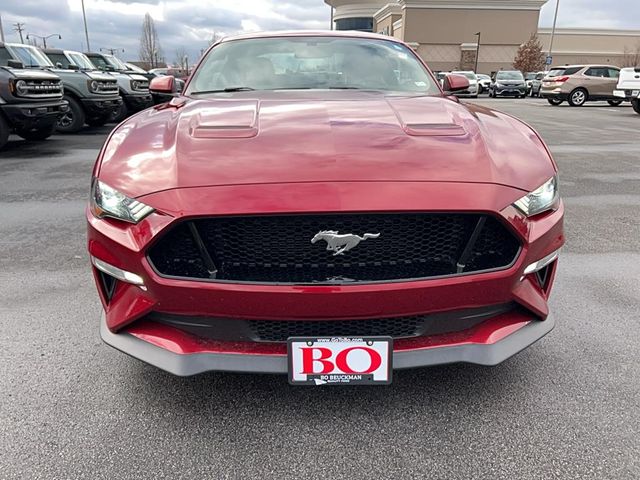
[92, 96]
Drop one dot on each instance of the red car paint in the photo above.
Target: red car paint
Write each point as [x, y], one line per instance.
[317, 152]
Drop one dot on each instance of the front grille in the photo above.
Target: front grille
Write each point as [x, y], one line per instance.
[279, 331]
[42, 89]
[278, 248]
[107, 87]
[241, 330]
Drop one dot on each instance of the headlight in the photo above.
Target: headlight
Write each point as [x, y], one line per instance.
[540, 200]
[21, 87]
[138, 85]
[93, 85]
[108, 202]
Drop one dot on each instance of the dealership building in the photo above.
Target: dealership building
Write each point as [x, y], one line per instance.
[445, 32]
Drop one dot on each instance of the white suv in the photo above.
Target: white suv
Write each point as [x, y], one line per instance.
[629, 86]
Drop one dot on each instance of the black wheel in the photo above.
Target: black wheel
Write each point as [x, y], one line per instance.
[614, 103]
[97, 122]
[37, 134]
[554, 101]
[120, 114]
[635, 103]
[4, 132]
[73, 119]
[491, 94]
[578, 97]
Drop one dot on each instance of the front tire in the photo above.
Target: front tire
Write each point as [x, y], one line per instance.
[39, 134]
[578, 97]
[614, 103]
[554, 101]
[635, 103]
[73, 119]
[120, 114]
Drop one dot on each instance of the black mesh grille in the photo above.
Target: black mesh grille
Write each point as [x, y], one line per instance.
[270, 331]
[241, 330]
[278, 248]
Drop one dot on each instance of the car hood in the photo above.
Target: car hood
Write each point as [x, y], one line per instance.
[32, 74]
[346, 136]
[98, 75]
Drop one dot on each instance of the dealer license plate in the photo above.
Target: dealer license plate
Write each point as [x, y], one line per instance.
[340, 360]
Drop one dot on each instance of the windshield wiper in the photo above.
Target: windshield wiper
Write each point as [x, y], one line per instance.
[226, 90]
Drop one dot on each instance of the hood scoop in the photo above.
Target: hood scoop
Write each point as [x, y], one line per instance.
[430, 117]
[226, 119]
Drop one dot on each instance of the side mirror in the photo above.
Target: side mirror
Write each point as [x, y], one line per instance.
[14, 64]
[163, 85]
[73, 66]
[455, 83]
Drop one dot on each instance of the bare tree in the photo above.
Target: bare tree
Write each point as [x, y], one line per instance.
[182, 59]
[631, 58]
[530, 57]
[150, 49]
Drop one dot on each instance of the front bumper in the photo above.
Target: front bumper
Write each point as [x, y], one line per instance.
[128, 324]
[137, 101]
[101, 107]
[163, 348]
[34, 115]
[510, 91]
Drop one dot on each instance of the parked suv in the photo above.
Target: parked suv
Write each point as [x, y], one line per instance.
[508, 83]
[578, 84]
[95, 110]
[134, 88]
[629, 86]
[30, 101]
[91, 95]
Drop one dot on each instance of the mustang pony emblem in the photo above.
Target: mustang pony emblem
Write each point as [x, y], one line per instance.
[341, 243]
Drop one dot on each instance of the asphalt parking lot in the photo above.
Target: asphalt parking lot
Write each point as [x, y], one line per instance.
[568, 407]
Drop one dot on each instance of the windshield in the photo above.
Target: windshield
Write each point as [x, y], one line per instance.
[311, 63]
[135, 68]
[29, 56]
[80, 60]
[530, 76]
[509, 76]
[116, 63]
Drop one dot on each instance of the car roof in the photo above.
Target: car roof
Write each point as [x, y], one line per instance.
[312, 33]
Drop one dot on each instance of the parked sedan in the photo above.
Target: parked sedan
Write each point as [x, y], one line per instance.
[578, 84]
[508, 83]
[314, 204]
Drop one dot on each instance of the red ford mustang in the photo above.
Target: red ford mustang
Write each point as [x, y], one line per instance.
[314, 204]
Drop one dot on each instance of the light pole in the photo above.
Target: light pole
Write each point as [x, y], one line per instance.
[44, 39]
[86, 30]
[553, 34]
[477, 51]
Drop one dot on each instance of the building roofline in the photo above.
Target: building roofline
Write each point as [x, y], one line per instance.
[591, 31]
[474, 4]
[386, 11]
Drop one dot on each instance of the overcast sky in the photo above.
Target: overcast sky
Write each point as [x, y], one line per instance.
[191, 23]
